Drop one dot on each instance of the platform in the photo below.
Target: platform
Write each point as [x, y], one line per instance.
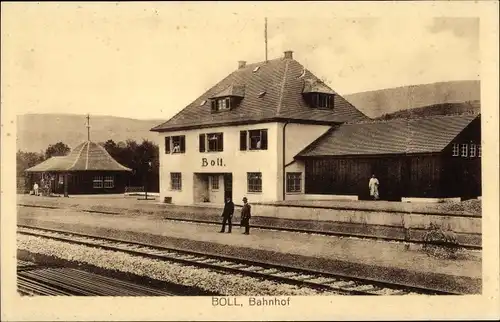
[386, 261]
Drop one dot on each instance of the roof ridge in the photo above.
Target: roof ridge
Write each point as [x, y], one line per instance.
[373, 121]
[282, 90]
[87, 159]
[78, 157]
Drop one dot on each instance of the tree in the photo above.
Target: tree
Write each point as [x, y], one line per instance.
[58, 149]
[26, 160]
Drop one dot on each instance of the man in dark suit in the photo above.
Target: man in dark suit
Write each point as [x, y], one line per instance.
[227, 215]
[245, 216]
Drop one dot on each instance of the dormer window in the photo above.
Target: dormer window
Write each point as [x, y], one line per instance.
[318, 95]
[321, 100]
[227, 99]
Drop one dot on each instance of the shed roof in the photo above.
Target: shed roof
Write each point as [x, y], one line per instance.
[87, 156]
[399, 136]
[282, 80]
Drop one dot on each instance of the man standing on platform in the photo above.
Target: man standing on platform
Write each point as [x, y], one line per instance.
[227, 215]
[246, 215]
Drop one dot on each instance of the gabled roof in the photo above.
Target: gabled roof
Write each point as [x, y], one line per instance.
[399, 136]
[88, 156]
[282, 80]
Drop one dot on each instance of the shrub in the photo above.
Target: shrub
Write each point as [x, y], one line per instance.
[440, 243]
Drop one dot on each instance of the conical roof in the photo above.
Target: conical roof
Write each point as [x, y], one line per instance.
[87, 156]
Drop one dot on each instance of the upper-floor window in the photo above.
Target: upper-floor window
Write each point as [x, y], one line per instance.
[321, 100]
[211, 142]
[175, 144]
[221, 104]
[293, 182]
[479, 150]
[253, 140]
[464, 150]
[456, 149]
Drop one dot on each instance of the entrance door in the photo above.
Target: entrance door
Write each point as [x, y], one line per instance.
[228, 185]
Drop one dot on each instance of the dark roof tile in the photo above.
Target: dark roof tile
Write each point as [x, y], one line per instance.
[398, 136]
[283, 80]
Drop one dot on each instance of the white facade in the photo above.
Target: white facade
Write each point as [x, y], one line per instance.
[210, 176]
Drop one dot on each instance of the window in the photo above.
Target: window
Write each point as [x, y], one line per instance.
[175, 144]
[109, 182]
[464, 150]
[175, 181]
[456, 149]
[211, 142]
[253, 140]
[254, 180]
[472, 152]
[97, 182]
[479, 150]
[221, 104]
[321, 100]
[61, 179]
[215, 182]
[293, 182]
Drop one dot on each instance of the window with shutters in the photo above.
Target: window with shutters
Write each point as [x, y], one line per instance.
[321, 100]
[175, 144]
[221, 104]
[253, 140]
[254, 181]
[215, 142]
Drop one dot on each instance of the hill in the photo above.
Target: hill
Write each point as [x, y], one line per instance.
[36, 131]
[437, 109]
[376, 103]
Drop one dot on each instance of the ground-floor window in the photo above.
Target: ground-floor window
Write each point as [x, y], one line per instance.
[109, 182]
[175, 181]
[293, 182]
[254, 180]
[215, 182]
[97, 182]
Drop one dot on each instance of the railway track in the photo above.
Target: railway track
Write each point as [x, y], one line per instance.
[346, 285]
[34, 279]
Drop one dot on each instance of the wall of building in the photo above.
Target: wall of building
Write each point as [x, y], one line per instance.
[231, 160]
[297, 137]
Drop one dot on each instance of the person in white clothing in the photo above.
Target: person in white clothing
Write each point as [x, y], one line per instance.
[373, 186]
[35, 189]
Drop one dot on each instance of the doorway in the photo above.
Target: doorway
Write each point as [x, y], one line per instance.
[228, 185]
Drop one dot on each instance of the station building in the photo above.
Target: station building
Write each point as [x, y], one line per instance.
[241, 136]
[272, 131]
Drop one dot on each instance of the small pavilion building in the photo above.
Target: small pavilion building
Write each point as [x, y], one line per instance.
[88, 169]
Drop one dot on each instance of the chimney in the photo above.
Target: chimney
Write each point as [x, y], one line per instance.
[289, 54]
[242, 64]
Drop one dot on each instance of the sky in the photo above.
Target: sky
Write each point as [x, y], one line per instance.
[150, 60]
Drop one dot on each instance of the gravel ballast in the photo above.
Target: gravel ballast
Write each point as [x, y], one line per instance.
[204, 279]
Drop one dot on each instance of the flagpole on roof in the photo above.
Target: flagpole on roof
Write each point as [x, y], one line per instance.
[265, 35]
